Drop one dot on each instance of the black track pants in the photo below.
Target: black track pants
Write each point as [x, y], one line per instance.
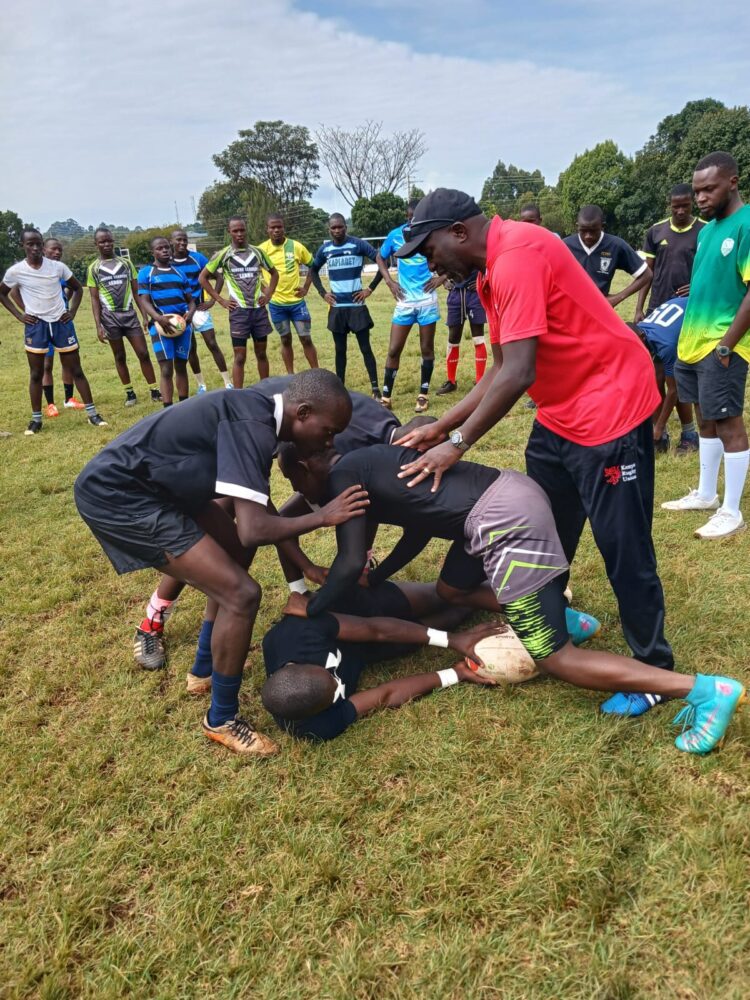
[613, 486]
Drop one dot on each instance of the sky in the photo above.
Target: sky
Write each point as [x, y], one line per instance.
[111, 111]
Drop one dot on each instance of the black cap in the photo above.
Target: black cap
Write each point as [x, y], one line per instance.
[440, 208]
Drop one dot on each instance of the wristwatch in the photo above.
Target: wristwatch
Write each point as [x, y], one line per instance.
[723, 351]
[457, 440]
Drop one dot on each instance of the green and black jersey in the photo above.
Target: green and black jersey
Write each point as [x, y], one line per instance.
[242, 272]
[112, 278]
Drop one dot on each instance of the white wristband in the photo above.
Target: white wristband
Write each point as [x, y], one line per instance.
[447, 677]
[298, 587]
[436, 637]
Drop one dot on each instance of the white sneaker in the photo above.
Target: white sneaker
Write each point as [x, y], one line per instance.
[691, 502]
[721, 525]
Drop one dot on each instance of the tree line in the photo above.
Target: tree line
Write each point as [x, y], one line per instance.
[275, 166]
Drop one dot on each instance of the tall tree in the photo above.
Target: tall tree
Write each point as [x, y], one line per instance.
[727, 129]
[11, 230]
[281, 157]
[659, 165]
[69, 229]
[366, 162]
[505, 187]
[376, 216]
[245, 197]
[597, 177]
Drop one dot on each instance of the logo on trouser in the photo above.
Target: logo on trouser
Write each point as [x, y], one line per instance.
[614, 474]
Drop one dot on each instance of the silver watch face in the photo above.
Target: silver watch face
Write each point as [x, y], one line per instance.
[456, 438]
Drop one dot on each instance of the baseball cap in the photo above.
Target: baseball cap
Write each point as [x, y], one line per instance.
[440, 208]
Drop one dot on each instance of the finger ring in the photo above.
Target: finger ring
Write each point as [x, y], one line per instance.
[426, 471]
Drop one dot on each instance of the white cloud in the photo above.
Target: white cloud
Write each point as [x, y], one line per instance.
[115, 109]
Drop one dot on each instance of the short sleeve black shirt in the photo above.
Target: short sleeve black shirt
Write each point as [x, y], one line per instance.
[610, 254]
[672, 252]
[216, 444]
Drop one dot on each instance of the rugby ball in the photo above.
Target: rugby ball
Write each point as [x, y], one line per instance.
[505, 659]
[177, 325]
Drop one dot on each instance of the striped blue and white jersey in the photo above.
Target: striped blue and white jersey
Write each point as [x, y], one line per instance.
[345, 262]
[191, 266]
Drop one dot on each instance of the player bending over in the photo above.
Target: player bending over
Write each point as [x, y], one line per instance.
[148, 498]
[506, 556]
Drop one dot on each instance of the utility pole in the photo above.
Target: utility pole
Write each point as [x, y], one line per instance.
[176, 213]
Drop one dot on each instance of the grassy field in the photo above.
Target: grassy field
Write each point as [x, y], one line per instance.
[477, 844]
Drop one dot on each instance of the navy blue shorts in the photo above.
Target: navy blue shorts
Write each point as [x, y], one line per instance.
[283, 314]
[463, 304]
[43, 337]
[244, 323]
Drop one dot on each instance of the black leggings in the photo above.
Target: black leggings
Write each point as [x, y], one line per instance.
[363, 339]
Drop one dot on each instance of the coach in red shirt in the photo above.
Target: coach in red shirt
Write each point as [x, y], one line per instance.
[555, 336]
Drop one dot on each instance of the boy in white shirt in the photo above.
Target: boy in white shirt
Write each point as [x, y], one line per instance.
[47, 322]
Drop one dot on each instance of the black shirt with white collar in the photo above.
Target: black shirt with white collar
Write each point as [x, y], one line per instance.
[608, 255]
[216, 444]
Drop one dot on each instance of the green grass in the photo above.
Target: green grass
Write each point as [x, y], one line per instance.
[477, 844]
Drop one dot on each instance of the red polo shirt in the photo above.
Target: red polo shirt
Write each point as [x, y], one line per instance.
[594, 378]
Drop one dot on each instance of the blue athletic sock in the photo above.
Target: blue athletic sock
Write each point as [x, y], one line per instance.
[36, 415]
[225, 698]
[204, 664]
[90, 410]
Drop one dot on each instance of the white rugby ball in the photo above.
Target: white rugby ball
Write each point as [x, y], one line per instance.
[177, 325]
[506, 660]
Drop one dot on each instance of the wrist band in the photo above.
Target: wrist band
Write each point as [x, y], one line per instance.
[298, 587]
[447, 677]
[436, 637]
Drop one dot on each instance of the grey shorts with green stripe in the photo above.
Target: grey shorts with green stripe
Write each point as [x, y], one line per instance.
[512, 530]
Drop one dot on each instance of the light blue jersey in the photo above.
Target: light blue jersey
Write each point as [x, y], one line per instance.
[413, 272]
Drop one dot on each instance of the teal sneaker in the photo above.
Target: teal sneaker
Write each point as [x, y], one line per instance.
[581, 627]
[709, 710]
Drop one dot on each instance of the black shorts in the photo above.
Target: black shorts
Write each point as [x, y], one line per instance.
[538, 619]
[386, 600]
[346, 319]
[719, 391]
[140, 535]
[117, 325]
[244, 323]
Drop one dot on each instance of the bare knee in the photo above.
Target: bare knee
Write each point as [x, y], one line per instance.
[244, 599]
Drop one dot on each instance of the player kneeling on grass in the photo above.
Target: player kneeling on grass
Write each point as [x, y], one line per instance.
[148, 498]
[506, 556]
[314, 664]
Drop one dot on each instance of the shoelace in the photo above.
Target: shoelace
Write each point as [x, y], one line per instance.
[243, 730]
[151, 642]
[685, 717]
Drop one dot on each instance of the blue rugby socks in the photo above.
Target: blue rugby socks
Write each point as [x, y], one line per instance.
[204, 664]
[225, 698]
